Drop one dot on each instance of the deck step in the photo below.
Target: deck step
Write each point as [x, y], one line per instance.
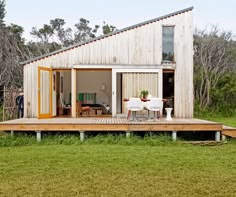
[229, 131]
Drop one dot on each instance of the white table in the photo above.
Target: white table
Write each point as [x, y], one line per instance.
[168, 113]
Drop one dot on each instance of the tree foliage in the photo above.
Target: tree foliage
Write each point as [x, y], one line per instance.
[11, 71]
[107, 29]
[224, 95]
[11, 52]
[2, 12]
[84, 31]
[63, 34]
[44, 33]
[214, 56]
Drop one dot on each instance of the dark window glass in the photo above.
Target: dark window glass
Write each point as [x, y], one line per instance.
[168, 44]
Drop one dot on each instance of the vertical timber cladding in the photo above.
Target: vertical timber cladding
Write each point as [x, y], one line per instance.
[184, 67]
[134, 83]
[31, 90]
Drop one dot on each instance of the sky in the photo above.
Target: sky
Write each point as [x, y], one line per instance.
[120, 13]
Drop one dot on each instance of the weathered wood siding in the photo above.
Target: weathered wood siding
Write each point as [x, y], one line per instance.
[184, 67]
[138, 46]
[45, 92]
[31, 91]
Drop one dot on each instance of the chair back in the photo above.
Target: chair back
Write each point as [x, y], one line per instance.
[135, 103]
[155, 103]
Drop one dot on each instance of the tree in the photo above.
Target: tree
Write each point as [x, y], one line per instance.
[84, 32]
[64, 35]
[2, 12]
[55, 35]
[11, 54]
[11, 71]
[224, 95]
[46, 43]
[107, 29]
[16, 34]
[44, 33]
[213, 57]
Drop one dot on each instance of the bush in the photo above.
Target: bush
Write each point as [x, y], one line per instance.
[223, 98]
[1, 113]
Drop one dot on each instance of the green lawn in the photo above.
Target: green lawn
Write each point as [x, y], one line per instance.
[115, 166]
[138, 169]
[228, 121]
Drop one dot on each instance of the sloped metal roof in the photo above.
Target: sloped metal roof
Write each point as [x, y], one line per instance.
[107, 35]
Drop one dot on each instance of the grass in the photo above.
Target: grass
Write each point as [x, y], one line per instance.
[228, 121]
[24, 140]
[209, 114]
[2, 133]
[115, 166]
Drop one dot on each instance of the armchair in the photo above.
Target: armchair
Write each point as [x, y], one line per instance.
[155, 105]
[134, 105]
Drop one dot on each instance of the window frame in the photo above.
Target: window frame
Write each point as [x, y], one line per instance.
[174, 55]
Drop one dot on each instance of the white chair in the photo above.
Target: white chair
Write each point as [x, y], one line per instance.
[155, 105]
[134, 105]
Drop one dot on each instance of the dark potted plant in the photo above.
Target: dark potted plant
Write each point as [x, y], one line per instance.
[144, 94]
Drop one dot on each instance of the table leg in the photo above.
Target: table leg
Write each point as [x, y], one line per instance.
[158, 115]
[128, 116]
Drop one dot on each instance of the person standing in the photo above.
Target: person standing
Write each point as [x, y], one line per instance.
[20, 104]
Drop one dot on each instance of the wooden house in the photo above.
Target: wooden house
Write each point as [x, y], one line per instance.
[156, 55]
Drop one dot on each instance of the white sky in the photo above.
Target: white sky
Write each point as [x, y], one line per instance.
[120, 13]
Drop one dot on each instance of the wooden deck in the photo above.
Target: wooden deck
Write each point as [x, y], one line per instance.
[229, 131]
[108, 124]
[117, 124]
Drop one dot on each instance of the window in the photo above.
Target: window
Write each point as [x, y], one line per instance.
[168, 44]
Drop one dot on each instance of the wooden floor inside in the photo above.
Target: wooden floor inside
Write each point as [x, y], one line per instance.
[109, 124]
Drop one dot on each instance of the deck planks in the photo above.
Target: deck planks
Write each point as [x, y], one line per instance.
[229, 131]
[108, 124]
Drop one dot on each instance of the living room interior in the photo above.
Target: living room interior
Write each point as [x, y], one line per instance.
[93, 90]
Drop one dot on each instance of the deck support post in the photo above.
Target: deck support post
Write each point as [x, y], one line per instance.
[12, 133]
[128, 134]
[38, 136]
[174, 135]
[81, 133]
[217, 136]
[223, 137]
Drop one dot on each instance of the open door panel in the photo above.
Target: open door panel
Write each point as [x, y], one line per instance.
[44, 92]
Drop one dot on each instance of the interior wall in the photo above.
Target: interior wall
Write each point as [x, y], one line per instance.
[134, 83]
[119, 94]
[54, 95]
[92, 82]
[66, 86]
